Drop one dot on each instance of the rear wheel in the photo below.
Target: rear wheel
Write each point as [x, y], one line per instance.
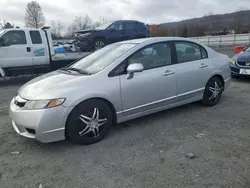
[89, 122]
[213, 92]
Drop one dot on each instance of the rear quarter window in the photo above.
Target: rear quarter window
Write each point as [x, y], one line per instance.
[35, 37]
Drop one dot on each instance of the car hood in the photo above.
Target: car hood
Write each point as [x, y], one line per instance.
[46, 82]
[242, 56]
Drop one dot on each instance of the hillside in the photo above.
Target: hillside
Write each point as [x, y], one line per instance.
[238, 21]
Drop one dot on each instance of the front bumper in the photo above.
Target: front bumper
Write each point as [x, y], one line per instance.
[235, 70]
[84, 45]
[45, 125]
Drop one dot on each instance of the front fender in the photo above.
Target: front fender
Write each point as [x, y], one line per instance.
[2, 73]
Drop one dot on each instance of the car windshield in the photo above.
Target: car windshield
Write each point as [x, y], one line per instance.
[247, 50]
[104, 26]
[1, 32]
[100, 59]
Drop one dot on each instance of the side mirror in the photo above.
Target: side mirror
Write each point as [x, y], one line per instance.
[132, 68]
[1, 42]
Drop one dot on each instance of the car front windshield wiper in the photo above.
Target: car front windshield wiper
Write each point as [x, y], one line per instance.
[81, 71]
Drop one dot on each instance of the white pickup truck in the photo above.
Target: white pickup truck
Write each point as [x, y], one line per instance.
[27, 51]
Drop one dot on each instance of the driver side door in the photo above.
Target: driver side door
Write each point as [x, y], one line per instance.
[16, 51]
[116, 32]
[155, 87]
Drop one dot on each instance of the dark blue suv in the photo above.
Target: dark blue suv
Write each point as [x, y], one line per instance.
[89, 40]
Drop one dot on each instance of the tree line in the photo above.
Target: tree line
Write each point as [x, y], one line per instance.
[34, 18]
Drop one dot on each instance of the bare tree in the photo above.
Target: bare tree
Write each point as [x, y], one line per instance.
[6, 25]
[34, 17]
[56, 29]
[99, 22]
[81, 23]
[69, 32]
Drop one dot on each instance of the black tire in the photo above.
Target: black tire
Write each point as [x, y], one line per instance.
[99, 43]
[208, 99]
[76, 126]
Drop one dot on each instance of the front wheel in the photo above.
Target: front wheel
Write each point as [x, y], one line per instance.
[99, 43]
[213, 92]
[89, 122]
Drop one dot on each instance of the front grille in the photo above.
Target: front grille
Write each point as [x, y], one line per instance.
[243, 63]
[32, 131]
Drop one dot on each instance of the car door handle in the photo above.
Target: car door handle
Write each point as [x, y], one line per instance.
[28, 49]
[168, 72]
[203, 65]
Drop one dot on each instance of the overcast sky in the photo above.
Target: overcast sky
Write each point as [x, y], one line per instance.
[149, 11]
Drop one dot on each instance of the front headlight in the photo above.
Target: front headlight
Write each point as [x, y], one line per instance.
[232, 61]
[42, 104]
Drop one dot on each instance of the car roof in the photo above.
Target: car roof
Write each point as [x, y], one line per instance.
[126, 21]
[150, 40]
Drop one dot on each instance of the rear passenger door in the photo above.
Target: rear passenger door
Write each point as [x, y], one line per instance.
[39, 48]
[193, 70]
[130, 31]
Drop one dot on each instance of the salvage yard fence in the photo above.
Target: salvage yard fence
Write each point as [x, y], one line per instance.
[224, 40]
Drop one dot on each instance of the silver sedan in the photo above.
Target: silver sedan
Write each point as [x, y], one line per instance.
[117, 83]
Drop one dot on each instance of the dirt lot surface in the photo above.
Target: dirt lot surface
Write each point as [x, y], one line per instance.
[149, 152]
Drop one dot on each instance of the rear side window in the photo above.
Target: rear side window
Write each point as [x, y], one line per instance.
[129, 26]
[14, 38]
[188, 51]
[36, 37]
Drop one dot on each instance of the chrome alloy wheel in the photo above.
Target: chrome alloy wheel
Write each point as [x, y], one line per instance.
[216, 90]
[92, 123]
[99, 44]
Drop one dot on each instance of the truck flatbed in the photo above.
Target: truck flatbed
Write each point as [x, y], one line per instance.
[69, 56]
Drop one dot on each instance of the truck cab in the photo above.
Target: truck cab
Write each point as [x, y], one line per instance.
[27, 51]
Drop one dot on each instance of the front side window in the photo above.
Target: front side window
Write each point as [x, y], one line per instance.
[118, 26]
[187, 51]
[154, 56]
[14, 38]
[102, 58]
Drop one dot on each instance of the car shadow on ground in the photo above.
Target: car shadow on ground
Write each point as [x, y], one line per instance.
[119, 129]
[242, 79]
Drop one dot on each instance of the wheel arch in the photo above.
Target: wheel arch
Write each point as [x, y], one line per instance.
[100, 38]
[107, 102]
[221, 79]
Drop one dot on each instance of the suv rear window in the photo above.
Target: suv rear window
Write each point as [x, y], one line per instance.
[140, 26]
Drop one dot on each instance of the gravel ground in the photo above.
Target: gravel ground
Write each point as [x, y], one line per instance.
[147, 152]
